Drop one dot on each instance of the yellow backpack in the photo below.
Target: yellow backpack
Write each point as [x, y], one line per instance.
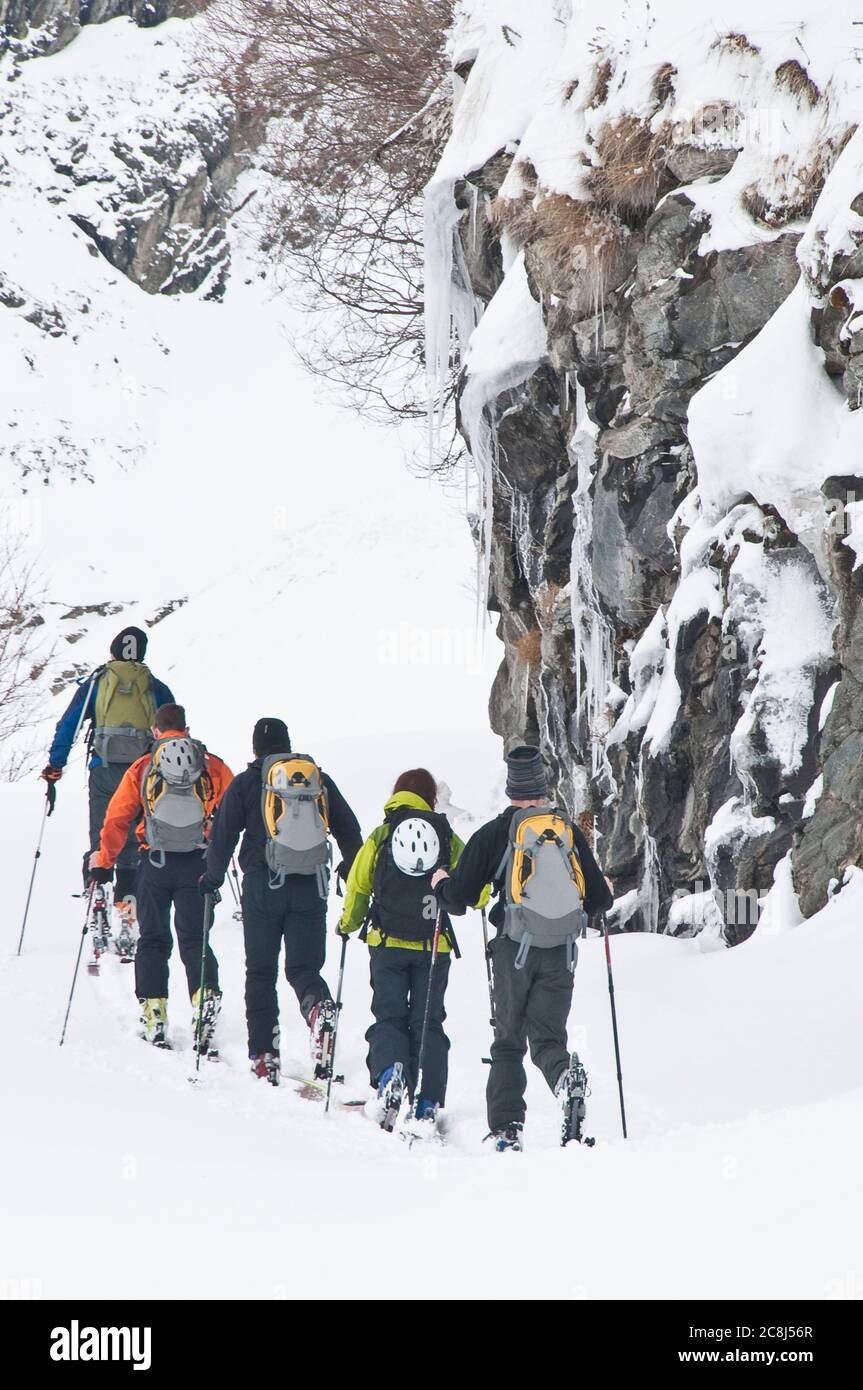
[296, 819]
[543, 883]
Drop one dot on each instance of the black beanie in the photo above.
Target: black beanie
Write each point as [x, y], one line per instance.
[525, 775]
[129, 645]
[270, 736]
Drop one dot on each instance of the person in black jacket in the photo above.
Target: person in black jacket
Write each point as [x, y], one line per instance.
[533, 999]
[294, 912]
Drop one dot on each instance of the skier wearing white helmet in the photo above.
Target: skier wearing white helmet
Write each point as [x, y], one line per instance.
[170, 795]
[389, 896]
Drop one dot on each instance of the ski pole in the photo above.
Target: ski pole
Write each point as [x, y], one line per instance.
[336, 1024]
[78, 960]
[209, 913]
[421, 1060]
[45, 814]
[492, 1018]
[614, 1023]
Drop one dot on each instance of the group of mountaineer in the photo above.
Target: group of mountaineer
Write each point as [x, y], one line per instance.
[166, 816]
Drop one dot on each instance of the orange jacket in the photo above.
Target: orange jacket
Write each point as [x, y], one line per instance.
[126, 805]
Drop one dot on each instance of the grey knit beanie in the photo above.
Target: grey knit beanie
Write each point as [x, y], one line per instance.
[525, 775]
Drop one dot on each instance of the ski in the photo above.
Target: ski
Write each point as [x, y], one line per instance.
[313, 1088]
[100, 932]
[575, 1091]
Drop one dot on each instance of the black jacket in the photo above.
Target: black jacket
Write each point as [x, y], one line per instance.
[482, 859]
[240, 810]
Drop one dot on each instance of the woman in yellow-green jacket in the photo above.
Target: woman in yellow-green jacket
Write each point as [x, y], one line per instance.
[389, 894]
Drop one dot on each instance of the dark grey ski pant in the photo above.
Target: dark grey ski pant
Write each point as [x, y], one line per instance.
[296, 915]
[103, 783]
[159, 890]
[532, 1006]
[400, 981]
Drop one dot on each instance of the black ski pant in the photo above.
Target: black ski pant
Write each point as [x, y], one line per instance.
[400, 982]
[531, 1007]
[158, 890]
[296, 915]
[103, 783]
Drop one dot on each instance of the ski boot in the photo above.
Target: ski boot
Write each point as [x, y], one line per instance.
[267, 1066]
[100, 929]
[391, 1091]
[154, 1018]
[206, 1019]
[126, 939]
[422, 1123]
[322, 1025]
[572, 1090]
[507, 1138]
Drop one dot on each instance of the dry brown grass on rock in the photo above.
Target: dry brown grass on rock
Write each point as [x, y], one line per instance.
[734, 43]
[528, 649]
[545, 602]
[601, 84]
[662, 86]
[794, 78]
[586, 824]
[632, 169]
[576, 251]
[795, 190]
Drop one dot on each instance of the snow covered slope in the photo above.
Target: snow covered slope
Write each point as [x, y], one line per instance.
[740, 1178]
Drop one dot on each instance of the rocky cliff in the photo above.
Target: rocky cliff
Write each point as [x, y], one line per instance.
[145, 174]
[647, 235]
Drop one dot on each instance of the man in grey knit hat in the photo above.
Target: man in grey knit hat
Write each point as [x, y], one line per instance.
[532, 990]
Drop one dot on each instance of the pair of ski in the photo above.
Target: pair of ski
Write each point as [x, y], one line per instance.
[101, 938]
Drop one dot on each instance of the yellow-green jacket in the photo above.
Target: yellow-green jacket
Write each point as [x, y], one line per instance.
[358, 893]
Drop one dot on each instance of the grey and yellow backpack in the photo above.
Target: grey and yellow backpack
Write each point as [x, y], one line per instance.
[124, 712]
[543, 883]
[296, 819]
[175, 790]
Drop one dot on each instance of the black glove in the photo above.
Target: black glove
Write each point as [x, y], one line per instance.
[100, 875]
[51, 776]
[342, 872]
[206, 887]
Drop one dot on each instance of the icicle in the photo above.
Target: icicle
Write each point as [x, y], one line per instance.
[592, 632]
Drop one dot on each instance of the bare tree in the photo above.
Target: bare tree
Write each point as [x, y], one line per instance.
[21, 661]
[349, 100]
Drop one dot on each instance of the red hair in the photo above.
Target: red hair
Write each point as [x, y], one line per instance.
[419, 781]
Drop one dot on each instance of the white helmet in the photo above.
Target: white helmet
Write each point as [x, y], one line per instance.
[416, 847]
[179, 761]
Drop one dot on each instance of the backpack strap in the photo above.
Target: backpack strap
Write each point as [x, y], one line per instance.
[524, 947]
[571, 954]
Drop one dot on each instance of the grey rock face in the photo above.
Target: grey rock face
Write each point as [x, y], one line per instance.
[586, 561]
[33, 27]
[152, 195]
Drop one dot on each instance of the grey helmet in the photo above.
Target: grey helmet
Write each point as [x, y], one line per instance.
[179, 761]
[416, 846]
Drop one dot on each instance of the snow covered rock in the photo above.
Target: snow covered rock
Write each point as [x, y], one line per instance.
[31, 27]
[141, 160]
[660, 499]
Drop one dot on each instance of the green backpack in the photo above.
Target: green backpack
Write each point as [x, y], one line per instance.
[124, 715]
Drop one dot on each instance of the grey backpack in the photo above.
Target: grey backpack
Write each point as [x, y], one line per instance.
[174, 794]
[296, 819]
[543, 883]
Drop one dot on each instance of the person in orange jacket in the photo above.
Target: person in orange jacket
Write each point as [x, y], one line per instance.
[172, 793]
